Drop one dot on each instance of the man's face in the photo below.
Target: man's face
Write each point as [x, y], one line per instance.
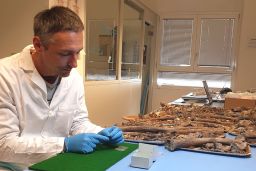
[60, 55]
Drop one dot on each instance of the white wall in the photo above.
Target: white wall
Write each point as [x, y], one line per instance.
[108, 102]
[16, 29]
[166, 6]
[102, 9]
[168, 94]
[246, 63]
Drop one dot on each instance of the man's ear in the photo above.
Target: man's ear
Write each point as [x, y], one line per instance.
[37, 44]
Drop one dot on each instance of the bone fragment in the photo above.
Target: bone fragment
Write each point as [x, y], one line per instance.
[194, 142]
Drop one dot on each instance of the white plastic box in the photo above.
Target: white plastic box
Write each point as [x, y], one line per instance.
[144, 156]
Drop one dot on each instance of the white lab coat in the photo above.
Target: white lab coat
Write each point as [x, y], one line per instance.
[30, 129]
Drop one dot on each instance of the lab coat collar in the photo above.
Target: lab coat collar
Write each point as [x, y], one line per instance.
[26, 63]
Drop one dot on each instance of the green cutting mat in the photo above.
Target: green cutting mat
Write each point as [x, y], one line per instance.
[101, 159]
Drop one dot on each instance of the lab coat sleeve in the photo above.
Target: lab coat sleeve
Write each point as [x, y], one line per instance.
[13, 147]
[81, 122]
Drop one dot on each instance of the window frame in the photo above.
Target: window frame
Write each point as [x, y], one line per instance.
[119, 39]
[177, 68]
[195, 44]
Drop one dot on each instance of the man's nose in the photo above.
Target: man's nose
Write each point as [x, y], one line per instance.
[73, 60]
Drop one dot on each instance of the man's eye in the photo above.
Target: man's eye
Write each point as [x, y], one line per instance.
[64, 54]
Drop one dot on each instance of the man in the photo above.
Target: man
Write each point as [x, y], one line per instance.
[42, 107]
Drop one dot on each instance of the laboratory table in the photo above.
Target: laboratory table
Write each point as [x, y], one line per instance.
[193, 161]
[184, 160]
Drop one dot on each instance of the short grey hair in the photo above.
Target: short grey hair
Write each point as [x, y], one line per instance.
[56, 19]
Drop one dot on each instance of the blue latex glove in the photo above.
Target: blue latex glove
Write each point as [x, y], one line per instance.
[83, 143]
[114, 134]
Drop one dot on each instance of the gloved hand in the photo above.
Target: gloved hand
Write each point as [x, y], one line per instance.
[114, 134]
[83, 143]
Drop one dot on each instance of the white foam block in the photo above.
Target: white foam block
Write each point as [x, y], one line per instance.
[141, 161]
[144, 157]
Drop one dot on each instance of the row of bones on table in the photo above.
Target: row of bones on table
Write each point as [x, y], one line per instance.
[195, 127]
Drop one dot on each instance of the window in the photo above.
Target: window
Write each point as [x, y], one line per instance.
[216, 49]
[103, 43]
[193, 79]
[101, 58]
[195, 49]
[176, 42]
[131, 45]
[101, 39]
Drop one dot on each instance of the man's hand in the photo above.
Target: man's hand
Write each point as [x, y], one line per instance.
[83, 143]
[114, 134]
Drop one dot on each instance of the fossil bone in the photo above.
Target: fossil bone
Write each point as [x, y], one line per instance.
[174, 144]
